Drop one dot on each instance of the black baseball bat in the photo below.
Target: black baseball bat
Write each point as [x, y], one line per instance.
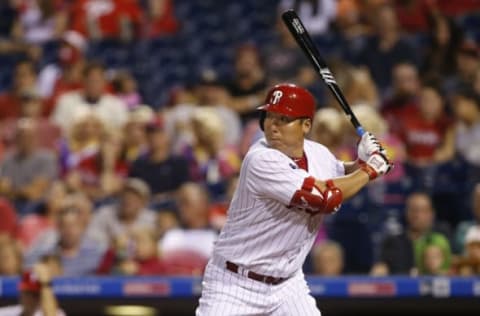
[300, 33]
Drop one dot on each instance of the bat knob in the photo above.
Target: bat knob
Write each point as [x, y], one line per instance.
[360, 131]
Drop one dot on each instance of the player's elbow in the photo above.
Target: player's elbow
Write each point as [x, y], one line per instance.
[315, 200]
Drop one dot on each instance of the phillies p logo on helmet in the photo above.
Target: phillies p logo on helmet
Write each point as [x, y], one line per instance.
[290, 100]
[276, 96]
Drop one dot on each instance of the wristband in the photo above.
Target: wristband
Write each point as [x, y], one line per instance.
[372, 174]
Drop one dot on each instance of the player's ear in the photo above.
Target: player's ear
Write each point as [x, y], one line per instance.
[306, 125]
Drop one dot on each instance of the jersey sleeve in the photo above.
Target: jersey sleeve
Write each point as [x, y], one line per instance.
[339, 168]
[273, 175]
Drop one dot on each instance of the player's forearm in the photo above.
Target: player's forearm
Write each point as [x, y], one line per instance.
[350, 166]
[349, 184]
[48, 301]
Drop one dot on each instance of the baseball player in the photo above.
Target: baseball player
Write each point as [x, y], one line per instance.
[286, 185]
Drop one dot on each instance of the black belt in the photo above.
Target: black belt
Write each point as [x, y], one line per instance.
[254, 276]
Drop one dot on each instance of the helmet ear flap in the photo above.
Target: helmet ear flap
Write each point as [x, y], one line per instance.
[263, 115]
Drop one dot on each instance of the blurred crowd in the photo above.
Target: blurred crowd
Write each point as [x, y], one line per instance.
[97, 181]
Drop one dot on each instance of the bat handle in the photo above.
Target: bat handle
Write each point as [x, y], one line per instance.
[360, 131]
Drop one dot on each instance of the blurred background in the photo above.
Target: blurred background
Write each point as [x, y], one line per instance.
[123, 124]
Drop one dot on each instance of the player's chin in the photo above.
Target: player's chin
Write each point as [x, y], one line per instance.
[275, 143]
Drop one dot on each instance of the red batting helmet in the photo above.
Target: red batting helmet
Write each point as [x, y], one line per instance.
[290, 100]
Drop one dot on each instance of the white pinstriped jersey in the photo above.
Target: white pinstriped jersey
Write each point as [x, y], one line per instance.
[261, 233]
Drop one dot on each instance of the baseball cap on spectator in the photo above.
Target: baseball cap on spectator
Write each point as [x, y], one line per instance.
[138, 186]
[29, 282]
[473, 235]
[75, 39]
[74, 46]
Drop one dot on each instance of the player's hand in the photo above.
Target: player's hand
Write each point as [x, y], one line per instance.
[376, 165]
[42, 273]
[368, 145]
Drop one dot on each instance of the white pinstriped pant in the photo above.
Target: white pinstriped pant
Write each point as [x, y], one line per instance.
[225, 293]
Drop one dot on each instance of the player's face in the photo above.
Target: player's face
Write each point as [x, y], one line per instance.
[286, 133]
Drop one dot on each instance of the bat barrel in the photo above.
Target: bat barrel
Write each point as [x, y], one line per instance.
[303, 39]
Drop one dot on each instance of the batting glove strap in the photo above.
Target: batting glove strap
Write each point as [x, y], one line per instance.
[376, 165]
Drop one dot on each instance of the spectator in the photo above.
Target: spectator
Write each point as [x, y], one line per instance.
[468, 264]
[65, 74]
[355, 82]
[99, 19]
[211, 94]
[24, 79]
[36, 295]
[31, 106]
[93, 96]
[195, 234]
[284, 62]
[386, 48]
[210, 161]
[456, 8]
[328, 259]
[80, 144]
[428, 135]
[466, 107]
[329, 129]
[160, 19]
[120, 219]
[79, 253]
[41, 21]
[439, 61]
[135, 136]
[464, 226]
[398, 252]
[125, 87]
[402, 102]
[467, 61]
[413, 15]
[144, 258]
[80, 202]
[316, 14]
[352, 18]
[10, 257]
[163, 171]
[433, 255]
[360, 87]
[103, 170]
[208, 92]
[32, 226]
[27, 171]
[247, 86]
